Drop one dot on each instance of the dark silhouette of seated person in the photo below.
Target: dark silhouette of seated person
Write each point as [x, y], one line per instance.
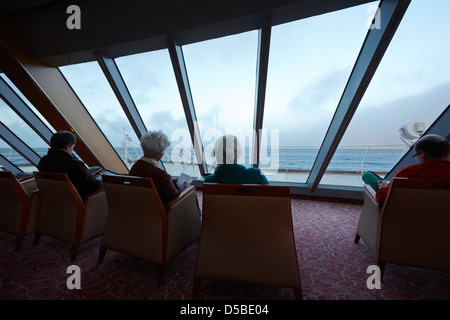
[59, 158]
[432, 152]
[227, 151]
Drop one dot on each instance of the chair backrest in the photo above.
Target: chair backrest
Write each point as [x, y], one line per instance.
[61, 207]
[15, 204]
[247, 235]
[415, 224]
[135, 212]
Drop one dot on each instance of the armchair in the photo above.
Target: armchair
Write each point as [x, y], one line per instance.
[63, 215]
[247, 235]
[412, 227]
[19, 206]
[139, 225]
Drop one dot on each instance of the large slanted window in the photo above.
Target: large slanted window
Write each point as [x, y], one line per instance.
[94, 91]
[26, 101]
[409, 90]
[150, 79]
[22, 130]
[309, 64]
[222, 79]
[21, 126]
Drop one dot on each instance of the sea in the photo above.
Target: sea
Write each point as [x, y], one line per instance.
[289, 158]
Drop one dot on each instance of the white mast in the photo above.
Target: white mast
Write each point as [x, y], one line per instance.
[125, 146]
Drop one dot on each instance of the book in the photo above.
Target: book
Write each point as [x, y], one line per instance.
[182, 179]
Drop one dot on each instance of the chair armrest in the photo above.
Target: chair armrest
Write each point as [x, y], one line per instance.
[370, 191]
[368, 221]
[95, 214]
[184, 221]
[25, 179]
[29, 185]
[97, 201]
[94, 194]
[182, 195]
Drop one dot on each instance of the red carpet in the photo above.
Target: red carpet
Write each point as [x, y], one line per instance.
[332, 267]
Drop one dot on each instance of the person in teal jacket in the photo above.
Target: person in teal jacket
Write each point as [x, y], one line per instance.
[227, 151]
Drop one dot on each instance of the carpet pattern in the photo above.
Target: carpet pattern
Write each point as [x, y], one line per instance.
[332, 267]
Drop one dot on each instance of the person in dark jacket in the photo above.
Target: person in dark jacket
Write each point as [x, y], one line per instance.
[59, 158]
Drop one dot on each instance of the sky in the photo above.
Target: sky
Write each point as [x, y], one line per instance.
[309, 64]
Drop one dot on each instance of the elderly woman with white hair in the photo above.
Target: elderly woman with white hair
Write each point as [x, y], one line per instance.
[227, 151]
[154, 144]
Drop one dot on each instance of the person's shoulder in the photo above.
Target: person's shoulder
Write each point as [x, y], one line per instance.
[411, 169]
[254, 170]
[209, 178]
[440, 163]
[144, 168]
[44, 159]
[136, 164]
[143, 164]
[425, 165]
[256, 173]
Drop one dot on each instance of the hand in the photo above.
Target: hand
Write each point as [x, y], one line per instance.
[382, 183]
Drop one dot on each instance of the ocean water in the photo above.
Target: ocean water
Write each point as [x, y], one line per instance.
[350, 159]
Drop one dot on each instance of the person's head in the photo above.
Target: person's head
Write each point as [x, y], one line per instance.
[432, 147]
[63, 140]
[154, 144]
[227, 150]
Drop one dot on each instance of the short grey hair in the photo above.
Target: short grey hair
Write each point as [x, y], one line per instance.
[154, 142]
[227, 150]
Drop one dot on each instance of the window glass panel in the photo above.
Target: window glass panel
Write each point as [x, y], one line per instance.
[309, 64]
[94, 91]
[150, 79]
[409, 88]
[222, 79]
[28, 103]
[23, 131]
[12, 155]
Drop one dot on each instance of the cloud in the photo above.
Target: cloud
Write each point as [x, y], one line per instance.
[310, 110]
[320, 95]
[379, 124]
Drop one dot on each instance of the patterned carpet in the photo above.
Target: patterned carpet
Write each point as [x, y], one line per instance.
[332, 267]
